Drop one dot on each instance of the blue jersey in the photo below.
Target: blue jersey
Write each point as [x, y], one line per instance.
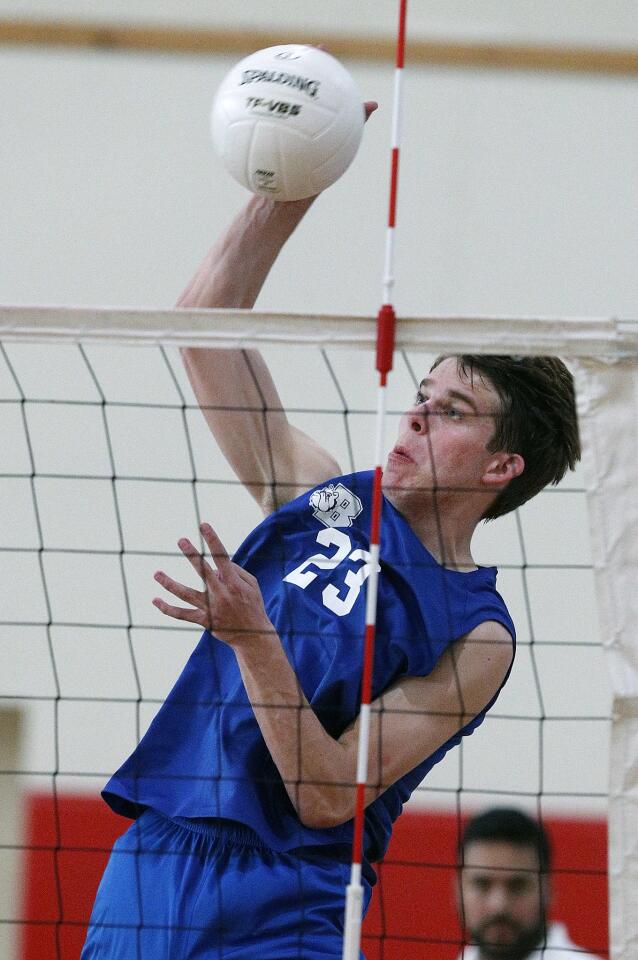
[203, 755]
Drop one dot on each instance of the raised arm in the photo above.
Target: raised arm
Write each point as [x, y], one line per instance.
[273, 459]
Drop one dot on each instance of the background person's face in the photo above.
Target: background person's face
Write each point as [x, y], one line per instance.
[503, 899]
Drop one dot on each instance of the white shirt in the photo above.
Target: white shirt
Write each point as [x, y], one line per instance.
[557, 947]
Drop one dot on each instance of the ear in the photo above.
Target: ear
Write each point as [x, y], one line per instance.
[501, 468]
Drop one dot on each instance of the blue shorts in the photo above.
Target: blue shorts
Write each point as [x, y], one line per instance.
[211, 890]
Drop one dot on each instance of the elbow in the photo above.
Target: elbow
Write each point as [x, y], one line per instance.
[322, 820]
[319, 810]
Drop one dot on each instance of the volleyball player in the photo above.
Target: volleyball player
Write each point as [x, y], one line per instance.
[242, 789]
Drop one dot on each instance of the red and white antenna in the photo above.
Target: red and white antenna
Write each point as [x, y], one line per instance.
[386, 321]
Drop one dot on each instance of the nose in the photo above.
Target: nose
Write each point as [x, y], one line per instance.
[419, 420]
[498, 898]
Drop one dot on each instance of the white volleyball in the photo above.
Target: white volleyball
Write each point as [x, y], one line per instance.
[287, 121]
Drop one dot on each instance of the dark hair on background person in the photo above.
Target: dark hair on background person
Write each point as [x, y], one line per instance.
[537, 419]
[508, 825]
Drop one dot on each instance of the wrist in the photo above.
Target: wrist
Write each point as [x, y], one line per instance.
[255, 641]
[280, 216]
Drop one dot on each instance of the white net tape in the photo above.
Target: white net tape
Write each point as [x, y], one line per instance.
[605, 338]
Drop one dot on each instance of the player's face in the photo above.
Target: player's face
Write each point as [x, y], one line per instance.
[443, 437]
[503, 899]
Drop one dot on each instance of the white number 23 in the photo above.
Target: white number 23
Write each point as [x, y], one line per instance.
[303, 575]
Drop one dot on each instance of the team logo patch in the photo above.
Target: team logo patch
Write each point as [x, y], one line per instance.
[335, 505]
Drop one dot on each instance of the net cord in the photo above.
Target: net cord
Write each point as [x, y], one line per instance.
[604, 338]
[386, 323]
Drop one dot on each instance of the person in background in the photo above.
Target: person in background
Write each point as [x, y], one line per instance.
[505, 891]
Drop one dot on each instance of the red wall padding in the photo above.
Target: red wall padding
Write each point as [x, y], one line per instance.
[412, 915]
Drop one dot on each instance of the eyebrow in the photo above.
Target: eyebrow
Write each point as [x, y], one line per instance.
[454, 395]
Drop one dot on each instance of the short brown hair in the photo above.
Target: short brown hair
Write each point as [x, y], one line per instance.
[537, 419]
[508, 825]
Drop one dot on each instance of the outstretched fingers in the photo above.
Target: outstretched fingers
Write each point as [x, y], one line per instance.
[195, 597]
[217, 550]
[193, 615]
[230, 604]
[196, 560]
[219, 582]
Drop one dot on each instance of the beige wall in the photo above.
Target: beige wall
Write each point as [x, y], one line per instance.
[570, 21]
[517, 190]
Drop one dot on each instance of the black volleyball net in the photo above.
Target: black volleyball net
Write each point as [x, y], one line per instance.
[107, 460]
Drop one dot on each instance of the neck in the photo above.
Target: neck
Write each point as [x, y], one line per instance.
[444, 528]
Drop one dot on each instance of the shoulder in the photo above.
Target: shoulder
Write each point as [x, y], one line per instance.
[490, 631]
[563, 947]
[489, 648]
[336, 502]
[348, 483]
[486, 612]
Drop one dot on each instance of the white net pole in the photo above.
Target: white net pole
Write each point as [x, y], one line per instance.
[608, 396]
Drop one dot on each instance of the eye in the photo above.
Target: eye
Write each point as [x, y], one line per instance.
[481, 884]
[453, 413]
[520, 885]
[419, 399]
